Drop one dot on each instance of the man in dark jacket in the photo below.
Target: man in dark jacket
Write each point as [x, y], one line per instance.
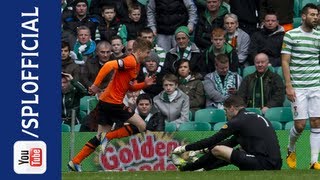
[269, 37]
[211, 18]
[72, 91]
[259, 150]
[263, 88]
[93, 66]
[81, 18]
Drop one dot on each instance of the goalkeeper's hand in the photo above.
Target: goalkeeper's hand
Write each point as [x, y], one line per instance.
[179, 150]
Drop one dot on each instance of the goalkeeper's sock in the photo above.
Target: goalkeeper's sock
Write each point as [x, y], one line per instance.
[87, 149]
[124, 131]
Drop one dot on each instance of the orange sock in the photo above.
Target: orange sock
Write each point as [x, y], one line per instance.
[119, 133]
[87, 149]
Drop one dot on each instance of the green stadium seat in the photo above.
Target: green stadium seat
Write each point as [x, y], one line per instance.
[286, 102]
[91, 103]
[276, 125]
[170, 127]
[289, 124]
[280, 114]
[296, 22]
[256, 110]
[190, 116]
[296, 8]
[210, 115]
[77, 127]
[218, 126]
[65, 128]
[195, 126]
[84, 103]
[280, 73]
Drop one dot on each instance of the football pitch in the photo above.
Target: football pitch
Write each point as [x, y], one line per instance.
[204, 175]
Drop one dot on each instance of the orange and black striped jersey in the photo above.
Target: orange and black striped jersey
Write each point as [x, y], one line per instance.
[125, 73]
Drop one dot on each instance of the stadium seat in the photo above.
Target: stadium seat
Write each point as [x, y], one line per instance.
[65, 128]
[280, 73]
[289, 124]
[296, 22]
[195, 126]
[84, 103]
[190, 116]
[218, 126]
[210, 115]
[77, 127]
[91, 103]
[280, 114]
[170, 127]
[276, 125]
[286, 102]
[296, 8]
[256, 110]
[251, 69]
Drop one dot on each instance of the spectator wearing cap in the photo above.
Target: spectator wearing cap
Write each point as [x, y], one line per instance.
[151, 67]
[185, 49]
[80, 17]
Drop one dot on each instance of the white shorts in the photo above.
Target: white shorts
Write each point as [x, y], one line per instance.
[307, 103]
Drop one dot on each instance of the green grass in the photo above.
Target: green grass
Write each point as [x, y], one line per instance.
[212, 175]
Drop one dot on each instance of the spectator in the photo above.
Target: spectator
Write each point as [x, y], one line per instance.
[284, 10]
[152, 68]
[129, 47]
[185, 49]
[129, 30]
[93, 66]
[172, 102]
[72, 91]
[262, 89]
[85, 47]
[81, 18]
[238, 39]
[211, 18]
[155, 120]
[121, 8]
[147, 33]
[68, 64]
[117, 48]
[130, 99]
[220, 46]
[109, 26]
[300, 65]
[269, 38]
[221, 83]
[165, 16]
[248, 14]
[190, 83]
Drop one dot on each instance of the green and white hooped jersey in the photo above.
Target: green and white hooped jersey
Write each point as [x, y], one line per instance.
[304, 48]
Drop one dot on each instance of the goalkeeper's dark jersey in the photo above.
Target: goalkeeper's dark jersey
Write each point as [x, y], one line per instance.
[252, 132]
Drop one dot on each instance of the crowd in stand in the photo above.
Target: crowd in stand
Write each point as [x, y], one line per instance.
[206, 44]
[201, 50]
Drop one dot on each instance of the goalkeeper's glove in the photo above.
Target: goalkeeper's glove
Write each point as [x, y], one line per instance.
[179, 150]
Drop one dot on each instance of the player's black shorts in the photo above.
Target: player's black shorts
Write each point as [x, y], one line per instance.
[107, 113]
[245, 161]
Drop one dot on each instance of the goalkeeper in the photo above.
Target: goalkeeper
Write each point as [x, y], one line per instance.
[259, 147]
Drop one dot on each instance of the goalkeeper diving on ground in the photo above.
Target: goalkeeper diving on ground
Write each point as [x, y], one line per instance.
[247, 141]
